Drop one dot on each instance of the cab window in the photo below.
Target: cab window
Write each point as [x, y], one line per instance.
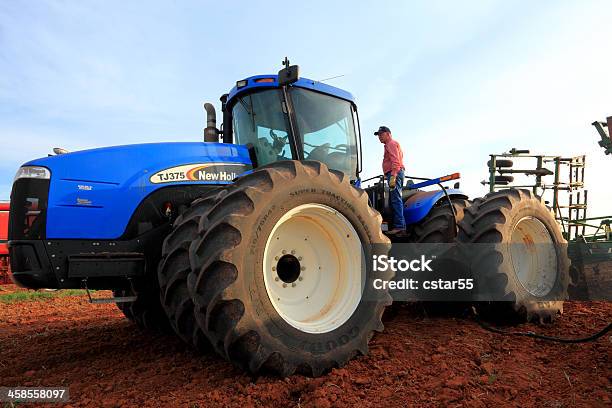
[327, 129]
[258, 121]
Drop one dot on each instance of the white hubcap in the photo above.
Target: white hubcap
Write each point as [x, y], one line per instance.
[313, 269]
[534, 256]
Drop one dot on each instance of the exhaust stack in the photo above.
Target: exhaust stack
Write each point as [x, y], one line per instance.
[211, 134]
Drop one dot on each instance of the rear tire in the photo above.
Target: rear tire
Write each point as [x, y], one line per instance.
[440, 227]
[261, 321]
[517, 217]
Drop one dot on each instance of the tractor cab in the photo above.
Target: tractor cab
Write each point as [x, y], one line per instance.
[283, 117]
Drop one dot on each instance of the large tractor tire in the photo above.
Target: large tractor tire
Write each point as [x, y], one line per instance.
[439, 226]
[520, 256]
[174, 268]
[279, 277]
[146, 311]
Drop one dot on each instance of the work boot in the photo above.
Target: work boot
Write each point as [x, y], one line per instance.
[395, 231]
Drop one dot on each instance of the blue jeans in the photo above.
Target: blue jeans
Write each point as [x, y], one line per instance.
[395, 198]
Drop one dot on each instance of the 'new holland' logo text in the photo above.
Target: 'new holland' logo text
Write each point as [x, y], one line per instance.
[203, 175]
[203, 172]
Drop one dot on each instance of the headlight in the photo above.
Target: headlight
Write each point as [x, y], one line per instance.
[33, 172]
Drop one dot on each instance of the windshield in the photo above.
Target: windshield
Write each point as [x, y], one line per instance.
[260, 122]
[327, 129]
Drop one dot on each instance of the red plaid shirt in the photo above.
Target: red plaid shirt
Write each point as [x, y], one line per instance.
[393, 161]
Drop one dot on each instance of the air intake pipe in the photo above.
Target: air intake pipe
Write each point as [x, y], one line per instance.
[211, 134]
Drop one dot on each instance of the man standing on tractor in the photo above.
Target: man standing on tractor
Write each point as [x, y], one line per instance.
[393, 168]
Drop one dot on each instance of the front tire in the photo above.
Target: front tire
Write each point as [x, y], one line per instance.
[286, 221]
[174, 268]
[146, 311]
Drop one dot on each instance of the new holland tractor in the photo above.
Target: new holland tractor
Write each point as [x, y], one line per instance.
[254, 242]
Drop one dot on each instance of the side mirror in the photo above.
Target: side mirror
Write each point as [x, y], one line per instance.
[288, 75]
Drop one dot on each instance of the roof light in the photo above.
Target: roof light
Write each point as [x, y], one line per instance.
[33, 172]
[241, 84]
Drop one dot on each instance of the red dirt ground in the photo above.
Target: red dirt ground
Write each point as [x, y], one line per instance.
[418, 361]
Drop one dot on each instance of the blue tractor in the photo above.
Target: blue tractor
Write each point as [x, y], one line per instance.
[252, 242]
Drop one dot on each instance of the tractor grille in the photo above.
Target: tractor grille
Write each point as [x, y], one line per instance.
[28, 213]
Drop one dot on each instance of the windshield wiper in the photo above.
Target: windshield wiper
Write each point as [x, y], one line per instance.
[249, 110]
[245, 106]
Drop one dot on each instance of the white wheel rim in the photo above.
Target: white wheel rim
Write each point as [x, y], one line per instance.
[313, 269]
[534, 256]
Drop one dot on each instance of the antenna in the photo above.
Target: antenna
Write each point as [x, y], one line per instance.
[289, 74]
[327, 79]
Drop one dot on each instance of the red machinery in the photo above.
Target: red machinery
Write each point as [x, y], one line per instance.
[4, 260]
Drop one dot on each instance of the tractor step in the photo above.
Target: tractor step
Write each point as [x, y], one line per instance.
[115, 299]
[119, 299]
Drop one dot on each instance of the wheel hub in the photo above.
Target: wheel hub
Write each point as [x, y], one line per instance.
[312, 271]
[288, 268]
[534, 256]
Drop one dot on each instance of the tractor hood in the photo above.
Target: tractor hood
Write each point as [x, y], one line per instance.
[93, 193]
[120, 164]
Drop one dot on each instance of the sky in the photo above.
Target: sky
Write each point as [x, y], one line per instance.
[455, 81]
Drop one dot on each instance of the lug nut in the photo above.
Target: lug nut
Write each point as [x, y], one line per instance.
[293, 252]
[276, 258]
[303, 268]
[276, 279]
[300, 278]
[299, 258]
[274, 268]
[284, 252]
[284, 285]
[293, 285]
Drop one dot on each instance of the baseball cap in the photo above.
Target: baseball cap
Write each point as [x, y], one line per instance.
[382, 129]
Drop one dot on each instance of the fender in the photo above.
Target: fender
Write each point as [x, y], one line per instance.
[94, 193]
[419, 204]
